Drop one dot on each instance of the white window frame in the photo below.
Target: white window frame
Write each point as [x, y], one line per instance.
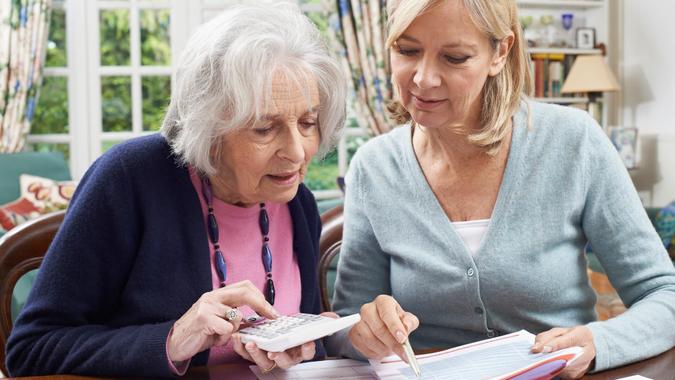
[84, 73]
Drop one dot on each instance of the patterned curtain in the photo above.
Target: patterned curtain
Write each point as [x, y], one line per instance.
[358, 31]
[24, 26]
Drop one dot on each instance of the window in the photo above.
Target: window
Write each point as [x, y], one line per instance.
[50, 126]
[322, 174]
[115, 85]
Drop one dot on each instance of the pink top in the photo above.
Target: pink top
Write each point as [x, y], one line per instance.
[241, 243]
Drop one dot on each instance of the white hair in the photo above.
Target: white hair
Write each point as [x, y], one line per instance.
[223, 79]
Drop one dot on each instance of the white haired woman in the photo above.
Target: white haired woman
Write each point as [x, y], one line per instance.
[494, 197]
[169, 239]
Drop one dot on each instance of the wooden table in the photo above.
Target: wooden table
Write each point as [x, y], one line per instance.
[661, 367]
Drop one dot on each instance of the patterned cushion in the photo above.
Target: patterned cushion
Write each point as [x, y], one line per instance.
[46, 194]
[17, 212]
[665, 226]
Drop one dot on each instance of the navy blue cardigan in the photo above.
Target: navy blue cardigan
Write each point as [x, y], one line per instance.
[131, 257]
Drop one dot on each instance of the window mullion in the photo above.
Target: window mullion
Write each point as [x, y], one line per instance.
[135, 45]
[79, 106]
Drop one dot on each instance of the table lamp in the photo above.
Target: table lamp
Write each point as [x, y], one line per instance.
[592, 75]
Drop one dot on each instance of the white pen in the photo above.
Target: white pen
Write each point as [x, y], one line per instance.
[412, 360]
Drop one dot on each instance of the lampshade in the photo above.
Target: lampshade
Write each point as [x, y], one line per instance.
[590, 73]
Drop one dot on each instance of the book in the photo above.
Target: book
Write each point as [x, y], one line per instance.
[506, 357]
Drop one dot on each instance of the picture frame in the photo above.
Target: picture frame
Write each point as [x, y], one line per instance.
[625, 141]
[585, 38]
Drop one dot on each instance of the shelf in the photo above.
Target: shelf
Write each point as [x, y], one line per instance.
[562, 100]
[571, 4]
[570, 51]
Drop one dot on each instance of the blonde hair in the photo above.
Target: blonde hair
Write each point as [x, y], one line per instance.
[503, 92]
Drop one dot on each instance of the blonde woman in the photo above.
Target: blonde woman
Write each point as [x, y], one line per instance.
[468, 222]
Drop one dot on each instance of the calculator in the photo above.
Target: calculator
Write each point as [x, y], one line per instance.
[278, 335]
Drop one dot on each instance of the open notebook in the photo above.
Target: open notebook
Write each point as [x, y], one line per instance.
[506, 357]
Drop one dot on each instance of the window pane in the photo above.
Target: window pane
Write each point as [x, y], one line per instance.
[116, 104]
[353, 144]
[56, 45]
[49, 147]
[155, 40]
[51, 113]
[114, 34]
[105, 145]
[322, 175]
[156, 93]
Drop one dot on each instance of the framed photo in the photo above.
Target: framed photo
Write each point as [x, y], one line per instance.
[585, 38]
[625, 141]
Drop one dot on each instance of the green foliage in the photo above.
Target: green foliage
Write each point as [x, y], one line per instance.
[156, 96]
[116, 103]
[56, 45]
[155, 37]
[51, 113]
[114, 37]
[322, 174]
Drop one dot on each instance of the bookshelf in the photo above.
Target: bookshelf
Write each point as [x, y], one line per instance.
[555, 47]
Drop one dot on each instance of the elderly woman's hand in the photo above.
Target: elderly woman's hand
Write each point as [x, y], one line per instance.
[267, 361]
[383, 327]
[558, 338]
[204, 325]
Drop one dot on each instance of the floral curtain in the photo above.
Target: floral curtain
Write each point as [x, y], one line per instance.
[358, 31]
[24, 26]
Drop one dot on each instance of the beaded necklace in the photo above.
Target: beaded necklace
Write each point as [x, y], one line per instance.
[221, 265]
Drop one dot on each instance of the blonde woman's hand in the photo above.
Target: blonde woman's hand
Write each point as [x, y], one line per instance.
[383, 327]
[205, 325]
[558, 338]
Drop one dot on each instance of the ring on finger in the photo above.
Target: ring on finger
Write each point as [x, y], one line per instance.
[270, 369]
[232, 314]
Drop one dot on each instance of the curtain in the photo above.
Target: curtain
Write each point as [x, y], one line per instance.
[357, 30]
[24, 26]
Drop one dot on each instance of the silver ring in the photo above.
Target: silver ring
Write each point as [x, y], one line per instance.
[232, 314]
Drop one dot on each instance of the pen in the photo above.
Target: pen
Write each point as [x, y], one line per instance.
[412, 360]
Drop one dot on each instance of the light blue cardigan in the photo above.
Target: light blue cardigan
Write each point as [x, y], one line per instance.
[564, 184]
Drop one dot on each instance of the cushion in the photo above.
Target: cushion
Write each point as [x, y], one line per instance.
[46, 194]
[44, 164]
[665, 226]
[17, 212]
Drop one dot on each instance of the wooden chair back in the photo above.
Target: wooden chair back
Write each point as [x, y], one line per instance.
[21, 250]
[329, 246]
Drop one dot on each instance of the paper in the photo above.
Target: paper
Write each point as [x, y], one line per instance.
[325, 369]
[498, 358]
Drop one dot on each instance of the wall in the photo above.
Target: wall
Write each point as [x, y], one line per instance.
[648, 93]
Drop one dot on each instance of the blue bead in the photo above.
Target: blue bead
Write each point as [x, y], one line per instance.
[270, 293]
[221, 266]
[267, 257]
[213, 228]
[264, 221]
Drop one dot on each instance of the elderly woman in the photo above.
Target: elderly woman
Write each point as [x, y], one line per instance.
[471, 219]
[169, 234]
